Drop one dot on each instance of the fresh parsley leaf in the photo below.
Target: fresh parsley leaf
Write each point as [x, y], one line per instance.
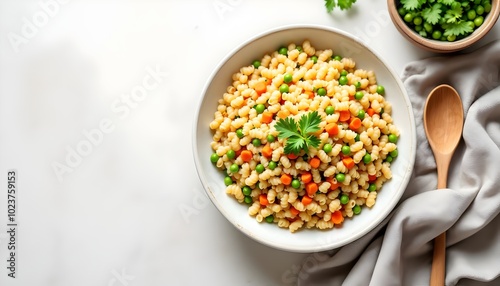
[310, 123]
[294, 144]
[312, 140]
[457, 28]
[287, 128]
[432, 14]
[453, 14]
[412, 4]
[346, 4]
[330, 4]
[299, 136]
[342, 4]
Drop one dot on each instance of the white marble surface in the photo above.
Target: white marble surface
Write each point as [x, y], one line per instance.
[107, 188]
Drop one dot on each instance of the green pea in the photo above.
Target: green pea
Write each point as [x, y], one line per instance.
[346, 150]
[436, 35]
[372, 187]
[340, 177]
[299, 48]
[452, 38]
[260, 108]
[259, 168]
[478, 21]
[357, 85]
[394, 153]
[239, 133]
[246, 190]
[343, 80]
[393, 138]
[471, 24]
[471, 14]
[367, 158]
[287, 78]
[389, 159]
[270, 219]
[248, 200]
[356, 139]
[344, 73]
[329, 110]
[359, 95]
[284, 88]
[408, 17]
[356, 209]
[228, 181]
[419, 28]
[327, 148]
[344, 199]
[402, 11]
[314, 59]
[380, 89]
[428, 27]
[270, 138]
[321, 91]
[234, 168]
[381, 111]
[256, 142]
[296, 183]
[283, 51]
[256, 64]
[480, 10]
[417, 21]
[231, 154]
[214, 158]
[272, 165]
[487, 6]
[337, 58]
[361, 114]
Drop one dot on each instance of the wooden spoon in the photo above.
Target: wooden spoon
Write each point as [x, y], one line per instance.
[443, 123]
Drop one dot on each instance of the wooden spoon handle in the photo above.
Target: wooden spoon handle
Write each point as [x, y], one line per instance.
[438, 261]
[438, 269]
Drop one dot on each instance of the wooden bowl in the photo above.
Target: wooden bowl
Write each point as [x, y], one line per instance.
[443, 46]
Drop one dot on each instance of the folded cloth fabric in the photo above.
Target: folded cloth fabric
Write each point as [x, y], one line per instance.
[399, 251]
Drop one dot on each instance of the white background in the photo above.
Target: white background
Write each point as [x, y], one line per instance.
[129, 208]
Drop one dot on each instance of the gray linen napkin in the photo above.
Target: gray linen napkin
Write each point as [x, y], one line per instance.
[399, 251]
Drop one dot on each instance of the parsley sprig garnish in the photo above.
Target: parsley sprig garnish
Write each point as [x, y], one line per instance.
[299, 136]
[342, 4]
[452, 18]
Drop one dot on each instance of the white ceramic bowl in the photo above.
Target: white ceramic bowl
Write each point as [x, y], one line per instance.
[305, 240]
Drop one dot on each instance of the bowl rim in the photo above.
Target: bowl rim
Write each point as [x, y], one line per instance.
[404, 181]
[440, 46]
